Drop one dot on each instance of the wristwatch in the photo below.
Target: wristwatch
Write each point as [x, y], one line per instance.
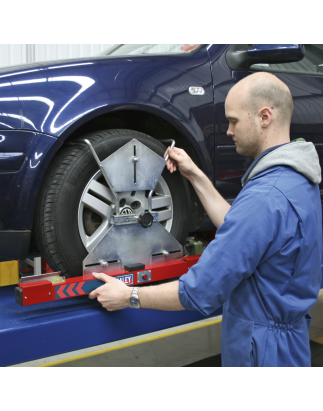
[134, 299]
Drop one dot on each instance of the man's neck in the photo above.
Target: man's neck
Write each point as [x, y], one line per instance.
[273, 141]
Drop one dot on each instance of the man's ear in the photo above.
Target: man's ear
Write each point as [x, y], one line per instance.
[265, 116]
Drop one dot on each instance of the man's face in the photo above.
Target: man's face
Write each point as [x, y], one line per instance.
[242, 125]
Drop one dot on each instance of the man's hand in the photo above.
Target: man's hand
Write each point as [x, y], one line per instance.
[214, 204]
[178, 159]
[114, 295]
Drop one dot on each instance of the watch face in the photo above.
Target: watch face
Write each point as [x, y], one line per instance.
[133, 302]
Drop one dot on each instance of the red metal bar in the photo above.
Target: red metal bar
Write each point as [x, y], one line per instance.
[43, 291]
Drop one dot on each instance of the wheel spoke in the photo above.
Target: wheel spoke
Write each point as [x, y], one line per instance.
[165, 215]
[101, 191]
[96, 205]
[160, 201]
[94, 239]
[99, 199]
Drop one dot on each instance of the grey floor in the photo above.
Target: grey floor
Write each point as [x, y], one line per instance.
[196, 344]
[316, 330]
[177, 346]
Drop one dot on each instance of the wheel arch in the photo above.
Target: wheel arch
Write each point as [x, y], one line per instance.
[160, 126]
[146, 122]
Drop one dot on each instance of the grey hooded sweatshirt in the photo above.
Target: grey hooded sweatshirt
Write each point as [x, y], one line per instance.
[299, 155]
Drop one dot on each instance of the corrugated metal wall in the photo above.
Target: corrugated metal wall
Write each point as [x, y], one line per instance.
[13, 54]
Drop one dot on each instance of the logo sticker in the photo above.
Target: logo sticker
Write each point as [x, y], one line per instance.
[127, 210]
[126, 278]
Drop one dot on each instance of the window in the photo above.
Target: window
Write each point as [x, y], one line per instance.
[138, 49]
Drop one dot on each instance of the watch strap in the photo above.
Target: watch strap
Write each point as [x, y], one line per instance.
[134, 295]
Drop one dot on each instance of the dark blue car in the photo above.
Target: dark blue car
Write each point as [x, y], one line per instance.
[52, 194]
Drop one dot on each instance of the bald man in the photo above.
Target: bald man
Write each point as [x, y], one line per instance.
[264, 265]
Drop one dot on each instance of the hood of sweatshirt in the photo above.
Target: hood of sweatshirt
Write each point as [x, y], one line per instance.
[299, 155]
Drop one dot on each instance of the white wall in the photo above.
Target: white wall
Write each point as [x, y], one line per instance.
[13, 54]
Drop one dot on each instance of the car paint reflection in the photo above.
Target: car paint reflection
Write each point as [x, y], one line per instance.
[37, 156]
[19, 117]
[83, 81]
[19, 72]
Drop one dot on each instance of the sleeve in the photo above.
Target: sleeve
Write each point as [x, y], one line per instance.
[253, 229]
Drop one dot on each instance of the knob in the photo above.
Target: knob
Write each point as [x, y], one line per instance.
[146, 219]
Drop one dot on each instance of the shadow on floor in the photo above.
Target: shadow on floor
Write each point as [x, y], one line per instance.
[317, 354]
[215, 361]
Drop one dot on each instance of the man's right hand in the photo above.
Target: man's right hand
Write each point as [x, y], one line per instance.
[178, 159]
[214, 204]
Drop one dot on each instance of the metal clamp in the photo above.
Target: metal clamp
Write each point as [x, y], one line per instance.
[129, 219]
[104, 175]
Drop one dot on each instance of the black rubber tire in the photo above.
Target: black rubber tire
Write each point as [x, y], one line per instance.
[56, 224]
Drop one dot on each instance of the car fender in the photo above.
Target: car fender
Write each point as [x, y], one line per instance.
[58, 98]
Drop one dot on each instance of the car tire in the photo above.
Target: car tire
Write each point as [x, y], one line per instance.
[60, 210]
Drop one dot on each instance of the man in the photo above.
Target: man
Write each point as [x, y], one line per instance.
[264, 264]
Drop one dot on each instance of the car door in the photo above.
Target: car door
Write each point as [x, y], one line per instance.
[305, 81]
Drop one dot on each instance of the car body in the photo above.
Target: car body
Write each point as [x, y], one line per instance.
[46, 106]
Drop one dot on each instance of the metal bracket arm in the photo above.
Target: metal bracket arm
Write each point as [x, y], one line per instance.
[104, 175]
[150, 195]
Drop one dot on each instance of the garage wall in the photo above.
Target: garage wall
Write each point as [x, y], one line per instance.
[11, 54]
[14, 54]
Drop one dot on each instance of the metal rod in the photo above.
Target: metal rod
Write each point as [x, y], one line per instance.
[150, 195]
[172, 146]
[38, 277]
[134, 165]
[104, 175]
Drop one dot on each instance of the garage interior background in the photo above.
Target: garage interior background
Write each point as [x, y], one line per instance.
[15, 54]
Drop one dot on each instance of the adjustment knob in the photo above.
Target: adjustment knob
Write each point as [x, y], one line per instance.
[146, 219]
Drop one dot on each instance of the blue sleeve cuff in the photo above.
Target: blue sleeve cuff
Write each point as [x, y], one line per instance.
[185, 299]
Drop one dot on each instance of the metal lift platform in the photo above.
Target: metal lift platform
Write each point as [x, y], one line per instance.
[56, 327]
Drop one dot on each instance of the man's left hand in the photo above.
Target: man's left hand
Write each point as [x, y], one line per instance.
[114, 295]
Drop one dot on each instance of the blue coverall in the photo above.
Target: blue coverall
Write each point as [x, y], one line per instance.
[264, 267]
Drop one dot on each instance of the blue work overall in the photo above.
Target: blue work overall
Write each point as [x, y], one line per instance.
[264, 267]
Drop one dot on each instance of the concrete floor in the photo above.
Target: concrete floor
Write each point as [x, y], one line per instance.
[196, 344]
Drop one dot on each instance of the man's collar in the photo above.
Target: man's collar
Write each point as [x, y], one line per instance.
[255, 161]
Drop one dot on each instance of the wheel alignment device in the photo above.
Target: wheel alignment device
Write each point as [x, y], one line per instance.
[136, 249]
